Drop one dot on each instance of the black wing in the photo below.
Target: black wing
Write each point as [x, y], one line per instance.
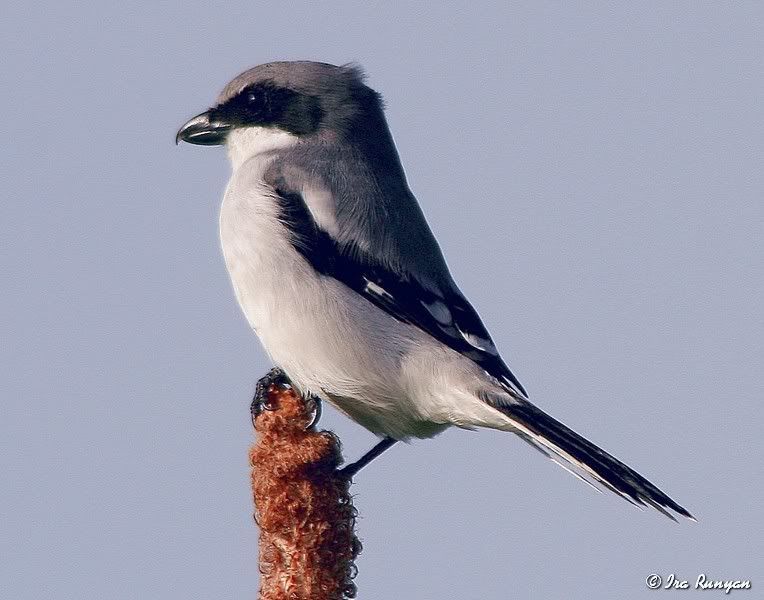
[447, 316]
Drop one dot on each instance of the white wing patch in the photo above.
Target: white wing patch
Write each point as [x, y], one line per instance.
[377, 289]
[478, 342]
[439, 312]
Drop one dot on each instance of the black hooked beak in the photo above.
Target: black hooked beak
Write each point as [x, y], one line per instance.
[204, 131]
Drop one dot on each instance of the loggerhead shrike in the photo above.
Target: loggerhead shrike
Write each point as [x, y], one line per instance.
[338, 273]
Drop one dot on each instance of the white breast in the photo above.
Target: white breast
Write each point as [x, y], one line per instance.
[256, 248]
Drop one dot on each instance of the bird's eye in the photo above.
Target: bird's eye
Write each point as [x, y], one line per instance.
[251, 97]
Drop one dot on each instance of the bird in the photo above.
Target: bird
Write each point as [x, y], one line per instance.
[340, 276]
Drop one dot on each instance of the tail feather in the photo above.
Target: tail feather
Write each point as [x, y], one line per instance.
[585, 460]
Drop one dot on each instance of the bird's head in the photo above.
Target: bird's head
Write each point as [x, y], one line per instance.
[276, 105]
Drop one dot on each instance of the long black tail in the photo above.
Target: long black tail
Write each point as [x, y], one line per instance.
[588, 462]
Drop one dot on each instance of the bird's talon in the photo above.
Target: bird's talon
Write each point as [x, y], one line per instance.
[317, 411]
[261, 400]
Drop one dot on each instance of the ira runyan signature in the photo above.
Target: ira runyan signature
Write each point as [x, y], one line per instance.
[703, 582]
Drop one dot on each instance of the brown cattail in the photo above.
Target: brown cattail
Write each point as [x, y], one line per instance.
[303, 507]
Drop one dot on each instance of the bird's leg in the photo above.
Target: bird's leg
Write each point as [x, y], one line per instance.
[350, 470]
[276, 376]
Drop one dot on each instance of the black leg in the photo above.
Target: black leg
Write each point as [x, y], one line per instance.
[350, 470]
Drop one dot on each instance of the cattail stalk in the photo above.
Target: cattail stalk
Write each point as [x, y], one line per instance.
[302, 506]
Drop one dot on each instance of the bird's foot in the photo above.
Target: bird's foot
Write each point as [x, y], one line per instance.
[261, 401]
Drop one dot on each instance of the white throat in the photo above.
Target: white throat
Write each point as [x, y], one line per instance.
[245, 142]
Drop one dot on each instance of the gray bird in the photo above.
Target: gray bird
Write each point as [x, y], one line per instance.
[338, 273]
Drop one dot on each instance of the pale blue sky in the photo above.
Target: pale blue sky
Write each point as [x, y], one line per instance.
[594, 175]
